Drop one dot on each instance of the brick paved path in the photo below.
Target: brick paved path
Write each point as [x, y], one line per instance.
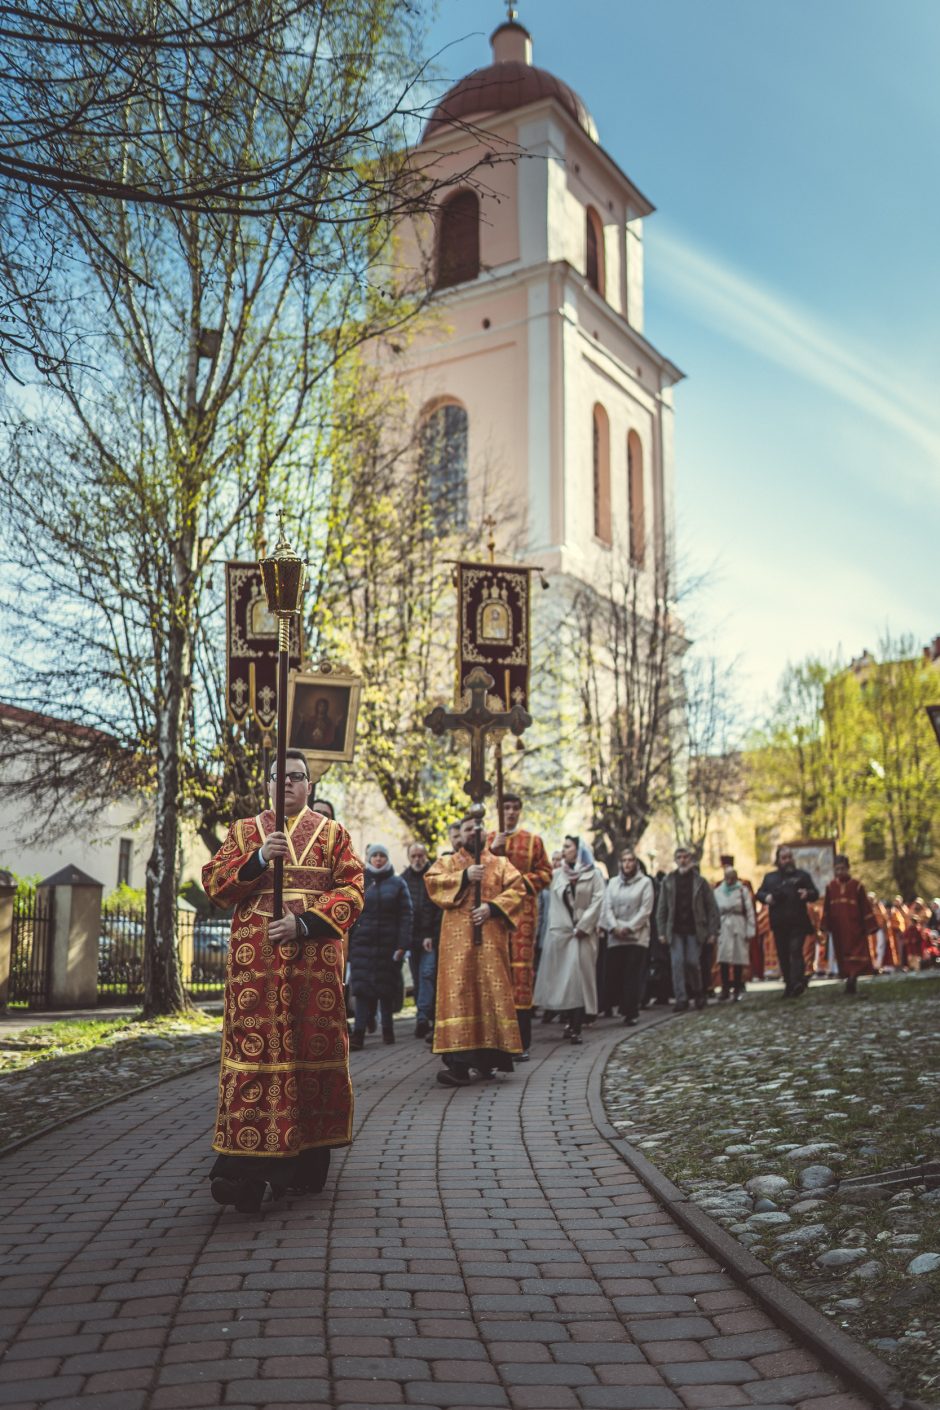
[474, 1248]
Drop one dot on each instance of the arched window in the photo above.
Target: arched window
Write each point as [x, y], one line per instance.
[458, 240]
[594, 235]
[601, 457]
[442, 456]
[635, 499]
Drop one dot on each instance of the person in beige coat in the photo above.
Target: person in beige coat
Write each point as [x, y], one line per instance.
[738, 927]
[567, 975]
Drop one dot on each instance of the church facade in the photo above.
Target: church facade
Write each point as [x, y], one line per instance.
[535, 390]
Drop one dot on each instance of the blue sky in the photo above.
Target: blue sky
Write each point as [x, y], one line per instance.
[793, 273]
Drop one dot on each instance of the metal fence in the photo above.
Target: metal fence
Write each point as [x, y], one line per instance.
[202, 943]
[31, 952]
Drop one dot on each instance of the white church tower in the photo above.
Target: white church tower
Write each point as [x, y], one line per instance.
[536, 378]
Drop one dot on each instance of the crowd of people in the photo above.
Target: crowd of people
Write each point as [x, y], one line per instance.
[495, 931]
[599, 946]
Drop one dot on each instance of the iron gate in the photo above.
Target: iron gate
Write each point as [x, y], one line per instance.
[31, 954]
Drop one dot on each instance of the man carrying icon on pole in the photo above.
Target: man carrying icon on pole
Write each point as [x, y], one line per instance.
[285, 1097]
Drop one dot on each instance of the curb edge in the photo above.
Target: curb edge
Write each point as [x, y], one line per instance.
[852, 1360]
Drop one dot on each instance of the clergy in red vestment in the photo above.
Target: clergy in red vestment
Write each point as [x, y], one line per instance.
[284, 1092]
[526, 851]
[849, 919]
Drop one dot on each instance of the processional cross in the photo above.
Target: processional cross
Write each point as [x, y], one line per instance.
[478, 720]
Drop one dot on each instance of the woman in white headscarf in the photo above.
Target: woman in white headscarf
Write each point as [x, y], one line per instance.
[567, 975]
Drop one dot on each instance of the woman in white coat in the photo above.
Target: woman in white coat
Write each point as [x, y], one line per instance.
[567, 976]
[738, 926]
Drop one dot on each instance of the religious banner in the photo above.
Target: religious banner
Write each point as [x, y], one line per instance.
[251, 647]
[493, 628]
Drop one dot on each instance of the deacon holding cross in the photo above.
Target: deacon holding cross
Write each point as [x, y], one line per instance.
[285, 1097]
[475, 1027]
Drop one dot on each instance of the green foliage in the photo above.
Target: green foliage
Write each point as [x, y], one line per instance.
[853, 742]
[125, 898]
[26, 884]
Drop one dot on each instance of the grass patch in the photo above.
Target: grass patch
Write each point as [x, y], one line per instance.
[68, 1037]
[719, 1097]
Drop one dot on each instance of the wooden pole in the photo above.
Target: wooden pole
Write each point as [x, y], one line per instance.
[500, 807]
[283, 661]
[477, 885]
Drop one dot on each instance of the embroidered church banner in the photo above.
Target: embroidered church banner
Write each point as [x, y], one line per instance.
[493, 627]
[251, 647]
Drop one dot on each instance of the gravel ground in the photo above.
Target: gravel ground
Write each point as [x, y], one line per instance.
[51, 1073]
[759, 1110]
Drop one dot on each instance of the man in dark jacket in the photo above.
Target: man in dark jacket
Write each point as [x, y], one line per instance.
[786, 892]
[425, 936]
[377, 945]
[687, 917]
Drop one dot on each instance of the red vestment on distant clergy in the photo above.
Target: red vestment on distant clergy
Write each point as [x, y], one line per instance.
[526, 851]
[284, 1083]
[849, 919]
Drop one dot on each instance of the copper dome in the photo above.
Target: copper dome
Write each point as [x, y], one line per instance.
[508, 83]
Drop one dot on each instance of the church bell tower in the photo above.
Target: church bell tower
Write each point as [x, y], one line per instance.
[536, 369]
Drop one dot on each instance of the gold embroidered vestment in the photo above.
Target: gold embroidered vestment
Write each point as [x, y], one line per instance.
[475, 1008]
[284, 1081]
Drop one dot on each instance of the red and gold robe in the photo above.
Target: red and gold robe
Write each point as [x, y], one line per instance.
[475, 1008]
[526, 851]
[284, 1082]
[849, 919]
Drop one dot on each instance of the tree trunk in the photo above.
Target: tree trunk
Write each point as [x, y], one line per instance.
[905, 869]
[163, 981]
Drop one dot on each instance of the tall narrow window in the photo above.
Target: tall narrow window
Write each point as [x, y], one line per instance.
[442, 453]
[594, 235]
[125, 855]
[601, 458]
[637, 504]
[458, 240]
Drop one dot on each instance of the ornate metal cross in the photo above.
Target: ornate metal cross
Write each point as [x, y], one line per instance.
[477, 721]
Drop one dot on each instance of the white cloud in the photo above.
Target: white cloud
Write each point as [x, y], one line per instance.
[780, 330]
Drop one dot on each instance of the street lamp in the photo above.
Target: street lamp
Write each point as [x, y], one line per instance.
[283, 576]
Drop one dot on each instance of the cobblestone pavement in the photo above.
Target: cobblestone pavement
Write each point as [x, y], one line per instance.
[474, 1248]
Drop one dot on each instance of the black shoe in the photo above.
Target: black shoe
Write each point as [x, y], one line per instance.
[681, 1006]
[700, 1001]
[630, 1022]
[357, 1041]
[317, 1180]
[422, 1028]
[520, 1057]
[246, 1195]
[450, 1079]
[851, 984]
[388, 1035]
[723, 996]
[547, 1017]
[799, 990]
[370, 1026]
